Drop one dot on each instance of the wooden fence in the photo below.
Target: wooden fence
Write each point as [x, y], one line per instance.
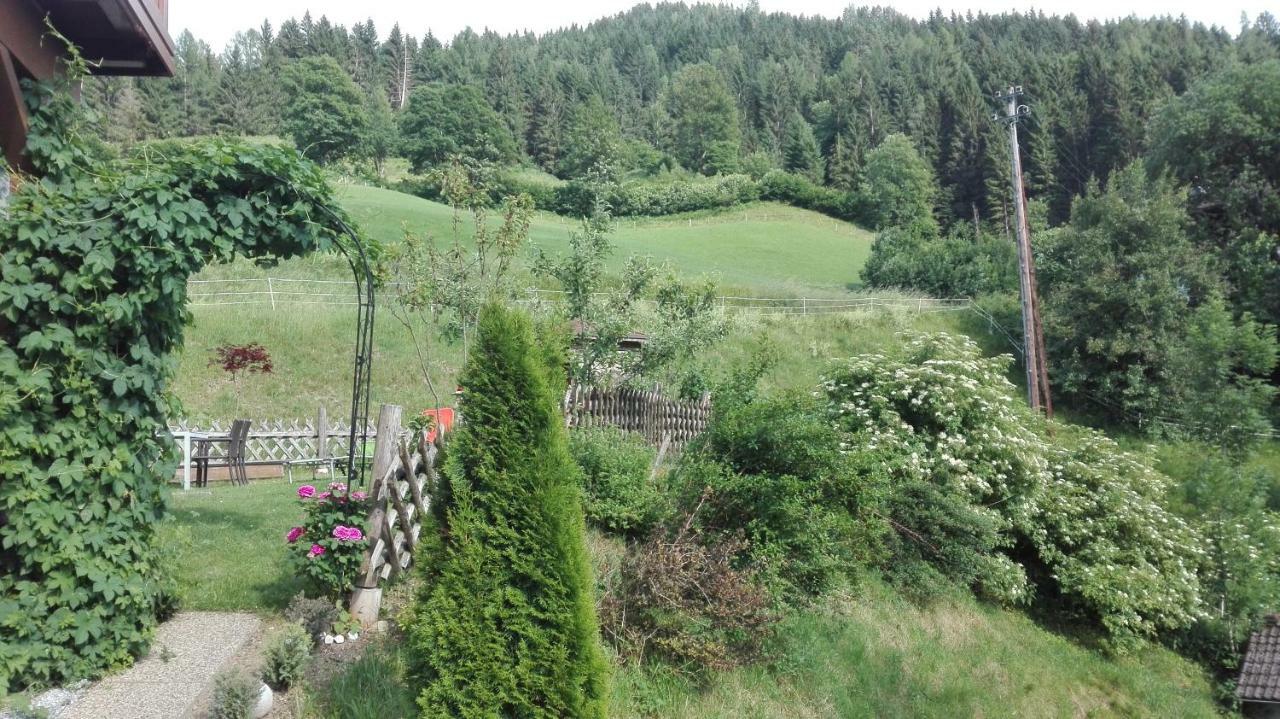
[661, 420]
[278, 440]
[400, 484]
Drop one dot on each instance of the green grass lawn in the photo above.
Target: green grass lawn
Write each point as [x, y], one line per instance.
[760, 249]
[228, 549]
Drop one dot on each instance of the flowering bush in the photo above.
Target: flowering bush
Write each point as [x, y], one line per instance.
[329, 544]
[1087, 516]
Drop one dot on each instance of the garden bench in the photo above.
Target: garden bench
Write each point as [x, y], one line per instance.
[289, 464]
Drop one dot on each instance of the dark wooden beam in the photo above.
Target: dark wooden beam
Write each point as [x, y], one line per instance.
[13, 112]
[22, 32]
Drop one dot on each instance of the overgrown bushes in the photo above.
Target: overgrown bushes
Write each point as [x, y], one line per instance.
[1073, 513]
[622, 493]
[507, 624]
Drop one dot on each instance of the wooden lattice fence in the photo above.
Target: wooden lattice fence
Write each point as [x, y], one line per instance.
[400, 484]
[278, 440]
[661, 420]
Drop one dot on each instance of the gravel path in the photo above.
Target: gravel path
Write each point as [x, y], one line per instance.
[189, 650]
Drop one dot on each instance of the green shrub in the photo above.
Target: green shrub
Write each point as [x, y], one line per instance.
[234, 694]
[771, 470]
[782, 186]
[285, 656]
[952, 266]
[316, 616]
[1084, 517]
[94, 260]
[508, 625]
[618, 494]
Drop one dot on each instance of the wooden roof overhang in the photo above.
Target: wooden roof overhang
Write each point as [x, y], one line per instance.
[117, 37]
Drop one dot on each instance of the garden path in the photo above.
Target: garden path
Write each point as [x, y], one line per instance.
[189, 651]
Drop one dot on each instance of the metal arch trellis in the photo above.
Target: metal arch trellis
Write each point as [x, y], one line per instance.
[362, 376]
[363, 371]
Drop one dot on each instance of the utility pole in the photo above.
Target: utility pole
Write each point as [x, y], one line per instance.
[1032, 331]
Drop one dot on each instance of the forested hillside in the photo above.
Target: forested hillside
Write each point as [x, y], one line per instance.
[719, 89]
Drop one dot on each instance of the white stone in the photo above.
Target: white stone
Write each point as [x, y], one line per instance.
[338, 639]
[353, 635]
[328, 639]
[265, 699]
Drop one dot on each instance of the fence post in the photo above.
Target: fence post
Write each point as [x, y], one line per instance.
[366, 598]
[271, 291]
[804, 305]
[322, 433]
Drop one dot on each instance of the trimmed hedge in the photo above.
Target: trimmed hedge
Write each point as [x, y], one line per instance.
[506, 626]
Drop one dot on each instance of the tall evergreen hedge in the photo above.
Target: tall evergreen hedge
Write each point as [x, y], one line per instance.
[506, 625]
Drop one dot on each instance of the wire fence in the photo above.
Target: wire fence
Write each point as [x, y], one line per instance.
[283, 292]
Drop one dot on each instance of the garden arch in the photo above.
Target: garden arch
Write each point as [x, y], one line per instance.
[95, 252]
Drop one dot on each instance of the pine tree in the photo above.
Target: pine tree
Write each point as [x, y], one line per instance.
[507, 625]
[800, 149]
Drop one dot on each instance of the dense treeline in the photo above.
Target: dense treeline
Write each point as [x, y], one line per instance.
[715, 89]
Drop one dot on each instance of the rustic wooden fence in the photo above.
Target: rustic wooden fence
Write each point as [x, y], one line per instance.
[401, 480]
[661, 420]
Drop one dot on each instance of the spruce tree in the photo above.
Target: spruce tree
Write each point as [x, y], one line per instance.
[507, 626]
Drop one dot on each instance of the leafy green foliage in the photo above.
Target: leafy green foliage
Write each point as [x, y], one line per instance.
[325, 114]
[771, 470]
[953, 266]
[442, 120]
[618, 494]
[93, 273]
[592, 139]
[1074, 515]
[1228, 503]
[1223, 138]
[898, 186]
[507, 623]
[1132, 320]
[285, 656]
[329, 545]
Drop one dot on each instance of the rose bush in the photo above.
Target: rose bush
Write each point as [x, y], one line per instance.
[329, 544]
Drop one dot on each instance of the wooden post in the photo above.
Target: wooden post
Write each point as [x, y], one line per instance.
[366, 598]
[322, 433]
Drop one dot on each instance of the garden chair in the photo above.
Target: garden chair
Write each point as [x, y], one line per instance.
[233, 457]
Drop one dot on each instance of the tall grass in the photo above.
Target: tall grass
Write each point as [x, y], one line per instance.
[880, 656]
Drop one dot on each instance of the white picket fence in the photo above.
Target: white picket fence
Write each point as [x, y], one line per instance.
[279, 440]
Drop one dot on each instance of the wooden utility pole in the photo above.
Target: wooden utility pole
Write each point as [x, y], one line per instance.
[1032, 332]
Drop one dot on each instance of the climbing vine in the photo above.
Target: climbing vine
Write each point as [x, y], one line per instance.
[95, 251]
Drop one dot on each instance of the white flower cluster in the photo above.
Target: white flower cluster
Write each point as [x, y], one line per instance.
[1091, 511]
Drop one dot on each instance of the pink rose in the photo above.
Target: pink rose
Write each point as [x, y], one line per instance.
[358, 495]
[323, 496]
[293, 535]
[316, 550]
[305, 491]
[347, 534]
[337, 487]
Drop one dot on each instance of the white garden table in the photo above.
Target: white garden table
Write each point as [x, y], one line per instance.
[186, 436]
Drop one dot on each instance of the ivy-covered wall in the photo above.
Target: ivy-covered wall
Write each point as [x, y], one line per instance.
[95, 251]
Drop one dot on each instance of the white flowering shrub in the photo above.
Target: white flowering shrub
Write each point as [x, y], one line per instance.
[968, 459]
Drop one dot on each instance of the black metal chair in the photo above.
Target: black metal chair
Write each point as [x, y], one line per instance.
[232, 457]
